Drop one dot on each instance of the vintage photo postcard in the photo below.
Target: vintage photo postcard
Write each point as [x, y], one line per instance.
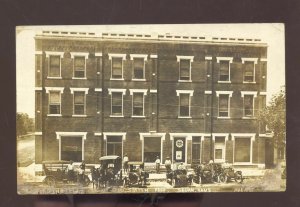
[151, 109]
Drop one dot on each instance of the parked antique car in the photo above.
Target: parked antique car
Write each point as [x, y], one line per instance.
[228, 174]
[136, 175]
[179, 177]
[109, 172]
[56, 171]
[207, 173]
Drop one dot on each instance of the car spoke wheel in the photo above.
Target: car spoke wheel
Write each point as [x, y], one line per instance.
[222, 178]
[50, 181]
[238, 177]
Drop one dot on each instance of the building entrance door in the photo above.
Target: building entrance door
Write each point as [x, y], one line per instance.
[179, 149]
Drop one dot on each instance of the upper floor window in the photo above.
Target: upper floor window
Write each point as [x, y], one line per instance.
[138, 66]
[54, 64]
[117, 101]
[54, 100]
[224, 68]
[138, 102]
[184, 103]
[79, 101]
[79, 64]
[117, 65]
[224, 103]
[248, 108]
[185, 67]
[249, 69]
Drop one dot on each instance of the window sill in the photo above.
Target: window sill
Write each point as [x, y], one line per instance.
[117, 116]
[138, 116]
[77, 115]
[219, 161]
[138, 79]
[54, 77]
[243, 163]
[58, 115]
[225, 117]
[119, 79]
[184, 117]
[248, 117]
[253, 82]
[185, 81]
[76, 78]
[224, 81]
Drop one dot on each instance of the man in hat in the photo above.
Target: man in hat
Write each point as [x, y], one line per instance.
[157, 164]
[168, 164]
[125, 163]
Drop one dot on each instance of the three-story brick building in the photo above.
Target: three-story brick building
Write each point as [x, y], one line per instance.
[191, 98]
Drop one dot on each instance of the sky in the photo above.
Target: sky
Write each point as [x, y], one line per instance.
[272, 34]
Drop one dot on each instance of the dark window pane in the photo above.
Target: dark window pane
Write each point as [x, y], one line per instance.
[114, 145]
[224, 71]
[116, 67]
[242, 149]
[196, 149]
[71, 148]
[218, 154]
[249, 71]
[54, 108]
[79, 109]
[223, 105]
[138, 99]
[54, 70]
[184, 105]
[138, 73]
[184, 70]
[219, 139]
[248, 105]
[114, 138]
[152, 147]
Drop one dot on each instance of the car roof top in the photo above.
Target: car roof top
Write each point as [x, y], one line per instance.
[110, 157]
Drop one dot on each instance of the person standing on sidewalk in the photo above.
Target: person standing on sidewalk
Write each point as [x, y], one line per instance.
[168, 164]
[70, 171]
[157, 164]
[125, 163]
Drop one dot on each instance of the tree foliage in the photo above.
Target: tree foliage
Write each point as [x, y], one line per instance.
[274, 115]
[24, 124]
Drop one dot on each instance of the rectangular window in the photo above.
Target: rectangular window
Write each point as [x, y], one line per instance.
[184, 70]
[196, 150]
[138, 104]
[219, 149]
[152, 148]
[54, 66]
[248, 105]
[223, 105]
[117, 103]
[184, 105]
[71, 148]
[114, 145]
[224, 71]
[242, 150]
[249, 71]
[79, 102]
[79, 67]
[138, 68]
[54, 102]
[117, 65]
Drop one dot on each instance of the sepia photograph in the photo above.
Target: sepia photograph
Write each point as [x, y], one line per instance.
[178, 108]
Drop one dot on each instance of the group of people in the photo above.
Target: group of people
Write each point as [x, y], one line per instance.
[168, 164]
[72, 175]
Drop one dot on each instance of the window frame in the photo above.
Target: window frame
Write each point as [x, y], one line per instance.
[254, 95]
[111, 57]
[220, 146]
[48, 56]
[141, 91]
[107, 134]
[229, 93]
[190, 93]
[230, 60]
[254, 60]
[73, 90]
[75, 55]
[191, 59]
[54, 89]
[250, 136]
[139, 56]
[110, 92]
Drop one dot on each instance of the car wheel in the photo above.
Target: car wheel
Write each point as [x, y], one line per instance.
[50, 181]
[238, 177]
[174, 183]
[222, 178]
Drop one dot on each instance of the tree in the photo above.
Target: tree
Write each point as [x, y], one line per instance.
[274, 115]
[24, 124]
